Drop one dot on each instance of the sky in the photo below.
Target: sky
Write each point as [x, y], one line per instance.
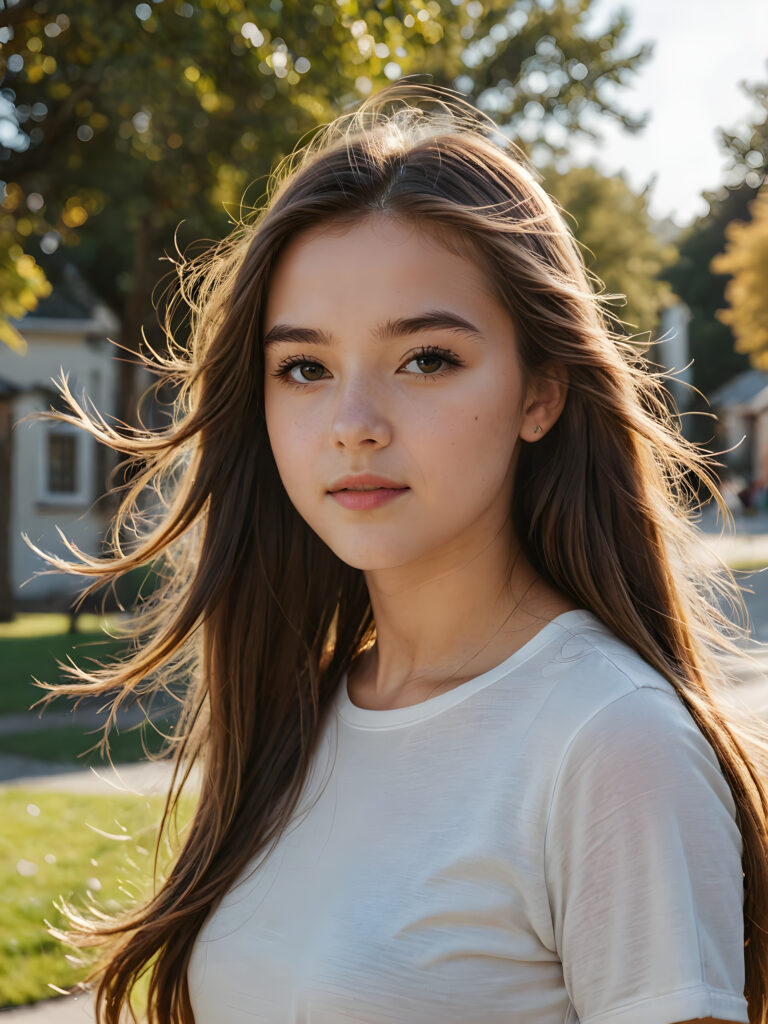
[690, 85]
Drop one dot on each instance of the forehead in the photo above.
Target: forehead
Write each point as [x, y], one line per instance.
[381, 259]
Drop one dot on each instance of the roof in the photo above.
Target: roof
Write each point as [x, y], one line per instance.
[9, 390]
[741, 389]
[73, 305]
[72, 297]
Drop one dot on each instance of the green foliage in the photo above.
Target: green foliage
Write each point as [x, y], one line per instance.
[712, 345]
[22, 281]
[700, 279]
[550, 41]
[613, 227]
[746, 259]
[749, 148]
[165, 113]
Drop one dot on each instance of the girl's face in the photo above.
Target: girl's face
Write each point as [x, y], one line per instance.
[350, 390]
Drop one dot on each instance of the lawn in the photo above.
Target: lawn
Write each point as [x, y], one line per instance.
[68, 744]
[76, 846]
[30, 646]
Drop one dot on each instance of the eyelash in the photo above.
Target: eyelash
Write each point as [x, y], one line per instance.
[286, 365]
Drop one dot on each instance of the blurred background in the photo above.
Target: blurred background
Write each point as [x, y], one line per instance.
[130, 130]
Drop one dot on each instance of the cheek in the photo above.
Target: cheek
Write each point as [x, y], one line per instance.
[288, 440]
[469, 451]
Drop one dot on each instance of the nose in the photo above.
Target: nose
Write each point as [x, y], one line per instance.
[359, 417]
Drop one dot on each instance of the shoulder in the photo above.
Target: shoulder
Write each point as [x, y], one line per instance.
[616, 716]
[628, 740]
[639, 811]
[586, 668]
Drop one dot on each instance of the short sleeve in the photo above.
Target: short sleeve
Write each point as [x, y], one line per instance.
[643, 867]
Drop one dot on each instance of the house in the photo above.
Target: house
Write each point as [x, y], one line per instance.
[672, 351]
[52, 474]
[741, 405]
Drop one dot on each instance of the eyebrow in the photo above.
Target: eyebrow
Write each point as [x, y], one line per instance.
[432, 320]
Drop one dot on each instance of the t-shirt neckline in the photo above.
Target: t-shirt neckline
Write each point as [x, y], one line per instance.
[369, 718]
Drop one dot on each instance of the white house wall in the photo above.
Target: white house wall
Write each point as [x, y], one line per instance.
[674, 353]
[90, 366]
[761, 446]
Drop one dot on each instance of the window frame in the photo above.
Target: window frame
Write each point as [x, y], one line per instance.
[83, 467]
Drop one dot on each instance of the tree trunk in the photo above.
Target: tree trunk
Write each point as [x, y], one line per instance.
[137, 305]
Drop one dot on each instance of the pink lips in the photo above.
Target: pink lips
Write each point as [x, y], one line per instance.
[346, 490]
[362, 500]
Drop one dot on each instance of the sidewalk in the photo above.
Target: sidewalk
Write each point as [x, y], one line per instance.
[23, 771]
[144, 778]
[62, 1010]
[746, 543]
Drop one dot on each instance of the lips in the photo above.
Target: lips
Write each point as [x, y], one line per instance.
[365, 481]
[362, 501]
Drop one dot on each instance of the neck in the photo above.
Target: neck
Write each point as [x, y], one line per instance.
[437, 625]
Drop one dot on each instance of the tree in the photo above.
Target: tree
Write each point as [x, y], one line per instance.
[614, 229]
[22, 281]
[699, 278]
[695, 281]
[749, 149]
[746, 259]
[538, 72]
[746, 235]
[162, 113]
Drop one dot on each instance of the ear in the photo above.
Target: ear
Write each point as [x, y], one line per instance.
[544, 401]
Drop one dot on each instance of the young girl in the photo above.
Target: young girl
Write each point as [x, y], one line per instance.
[452, 654]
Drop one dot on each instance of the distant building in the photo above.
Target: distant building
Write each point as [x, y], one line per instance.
[52, 473]
[673, 353]
[741, 405]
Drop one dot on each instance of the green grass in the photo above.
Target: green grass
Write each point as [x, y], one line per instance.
[39, 624]
[69, 744]
[21, 658]
[31, 645]
[747, 564]
[49, 848]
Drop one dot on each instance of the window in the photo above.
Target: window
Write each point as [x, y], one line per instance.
[62, 463]
[65, 465]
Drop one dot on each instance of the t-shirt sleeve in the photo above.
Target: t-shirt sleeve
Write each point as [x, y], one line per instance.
[642, 857]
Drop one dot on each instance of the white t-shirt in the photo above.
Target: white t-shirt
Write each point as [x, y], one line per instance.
[550, 842]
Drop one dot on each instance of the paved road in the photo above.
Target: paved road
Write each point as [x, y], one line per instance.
[141, 779]
[62, 1010]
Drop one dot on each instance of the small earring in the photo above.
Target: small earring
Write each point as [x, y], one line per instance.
[537, 430]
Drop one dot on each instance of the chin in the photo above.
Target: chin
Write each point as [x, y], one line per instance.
[380, 555]
[367, 562]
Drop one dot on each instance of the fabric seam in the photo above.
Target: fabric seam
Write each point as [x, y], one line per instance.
[596, 1018]
[635, 688]
[438, 711]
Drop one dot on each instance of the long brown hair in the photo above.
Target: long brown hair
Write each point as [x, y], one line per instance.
[262, 619]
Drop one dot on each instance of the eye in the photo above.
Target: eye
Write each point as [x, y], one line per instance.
[433, 354]
[285, 367]
[429, 354]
